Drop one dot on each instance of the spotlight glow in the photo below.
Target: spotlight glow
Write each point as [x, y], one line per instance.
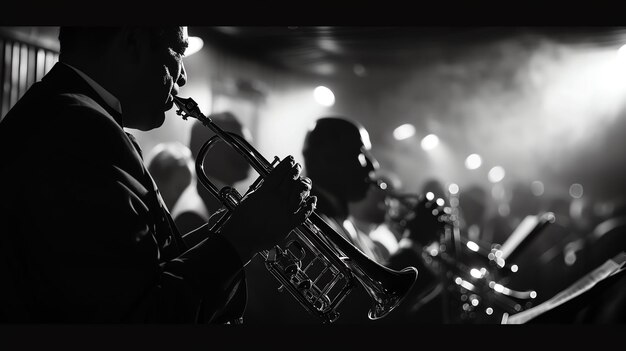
[576, 191]
[473, 161]
[496, 174]
[324, 96]
[430, 196]
[359, 70]
[537, 188]
[476, 273]
[404, 131]
[195, 45]
[453, 189]
[472, 246]
[430, 142]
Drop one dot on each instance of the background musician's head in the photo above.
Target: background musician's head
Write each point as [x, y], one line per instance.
[141, 67]
[221, 162]
[171, 166]
[337, 157]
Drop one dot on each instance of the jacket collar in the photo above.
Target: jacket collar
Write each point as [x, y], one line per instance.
[67, 80]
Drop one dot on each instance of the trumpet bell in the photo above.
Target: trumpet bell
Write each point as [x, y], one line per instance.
[388, 300]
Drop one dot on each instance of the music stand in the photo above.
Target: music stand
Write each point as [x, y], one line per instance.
[598, 277]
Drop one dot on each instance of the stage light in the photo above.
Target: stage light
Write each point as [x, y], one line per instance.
[362, 160]
[430, 142]
[404, 131]
[576, 191]
[359, 70]
[453, 189]
[537, 188]
[324, 96]
[472, 246]
[195, 45]
[496, 174]
[430, 195]
[475, 273]
[467, 285]
[473, 161]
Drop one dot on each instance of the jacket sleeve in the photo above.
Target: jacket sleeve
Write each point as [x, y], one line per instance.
[89, 251]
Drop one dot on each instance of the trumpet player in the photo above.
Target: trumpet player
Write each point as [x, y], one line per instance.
[84, 234]
[338, 159]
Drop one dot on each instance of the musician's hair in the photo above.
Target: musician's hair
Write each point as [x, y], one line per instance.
[92, 40]
[85, 39]
[326, 143]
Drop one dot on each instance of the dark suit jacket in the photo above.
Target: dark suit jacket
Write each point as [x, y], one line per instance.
[82, 235]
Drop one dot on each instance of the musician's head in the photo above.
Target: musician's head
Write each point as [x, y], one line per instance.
[171, 167]
[221, 162]
[141, 67]
[337, 157]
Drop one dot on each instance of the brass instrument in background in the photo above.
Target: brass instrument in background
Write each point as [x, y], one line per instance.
[473, 274]
[316, 265]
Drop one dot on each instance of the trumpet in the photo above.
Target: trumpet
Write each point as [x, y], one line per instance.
[316, 265]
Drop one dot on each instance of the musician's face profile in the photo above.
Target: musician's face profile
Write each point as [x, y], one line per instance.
[361, 169]
[160, 73]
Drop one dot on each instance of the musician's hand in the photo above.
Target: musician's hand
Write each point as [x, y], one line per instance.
[267, 215]
[426, 223]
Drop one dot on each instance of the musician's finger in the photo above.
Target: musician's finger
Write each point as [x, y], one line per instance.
[299, 191]
[305, 210]
[292, 174]
[278, 174]
[292, 177]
